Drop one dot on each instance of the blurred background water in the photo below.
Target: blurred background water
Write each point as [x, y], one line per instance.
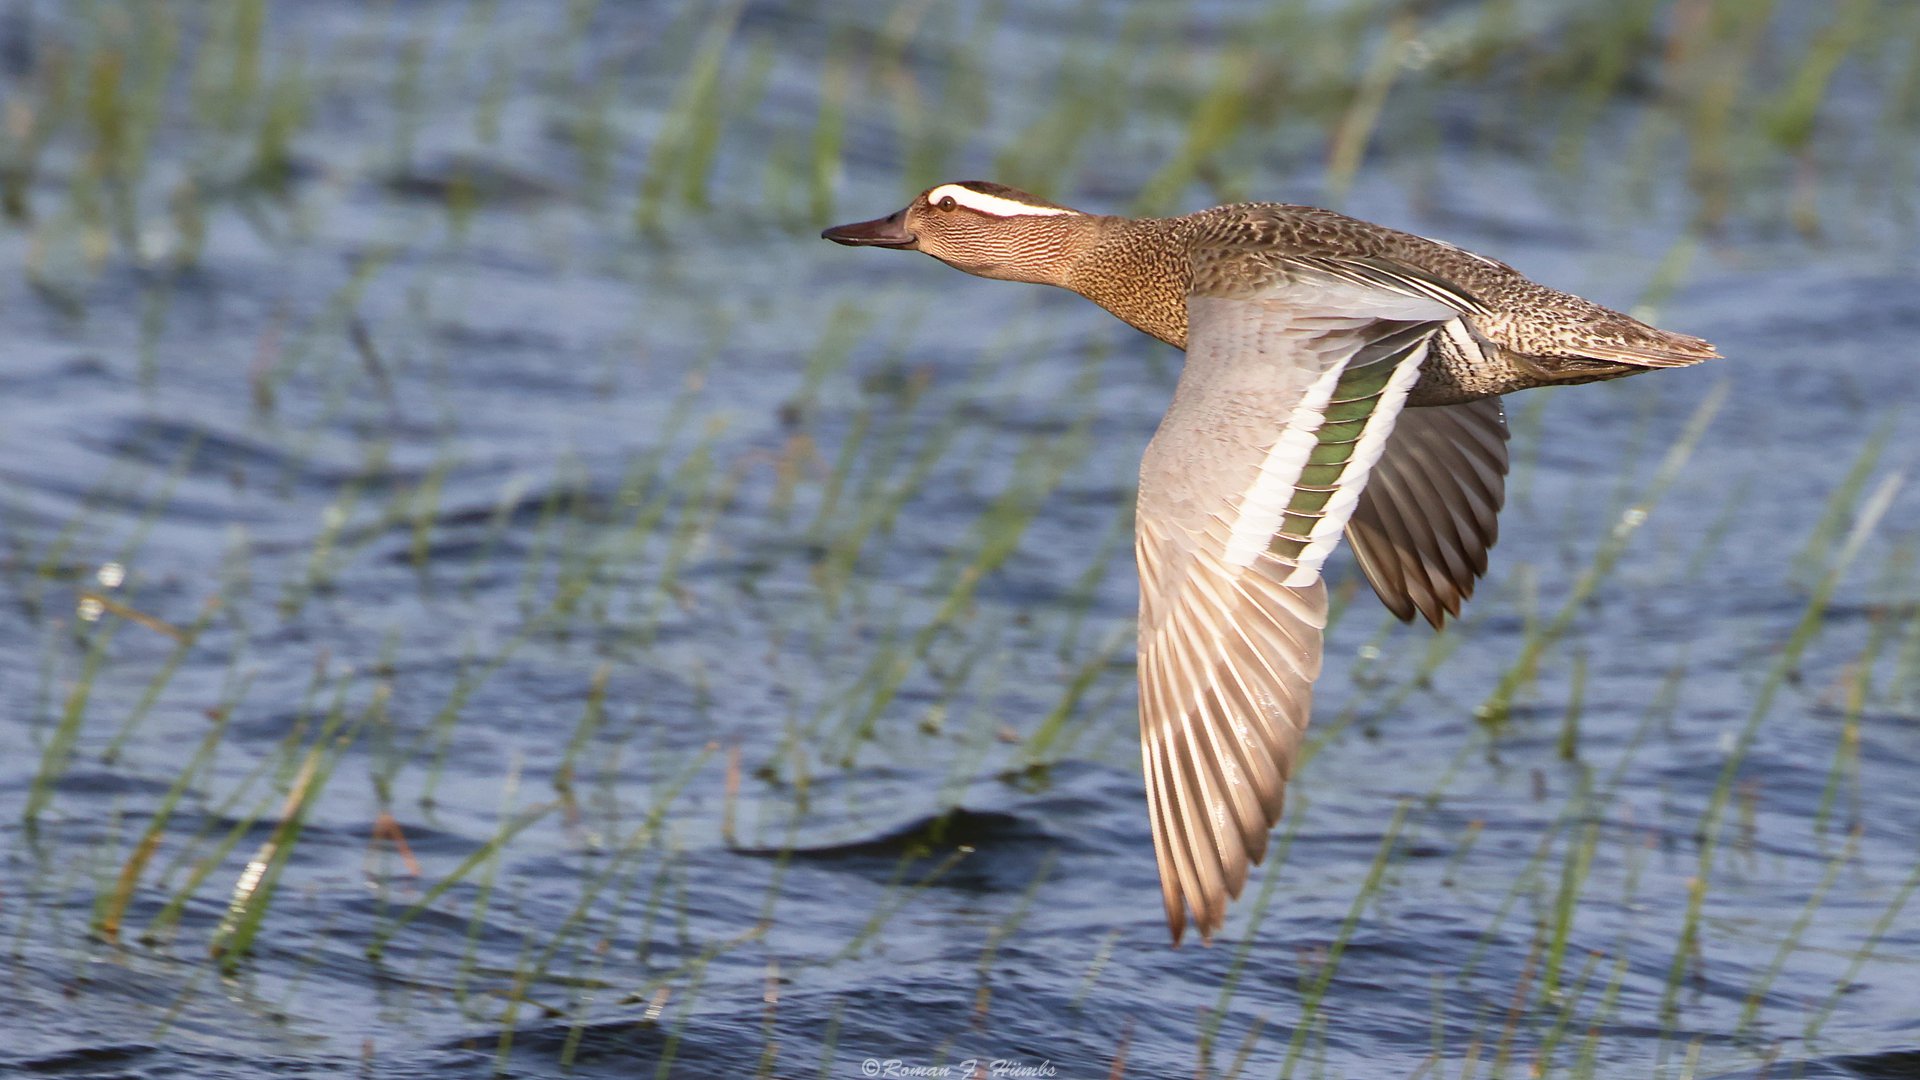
[484, 588]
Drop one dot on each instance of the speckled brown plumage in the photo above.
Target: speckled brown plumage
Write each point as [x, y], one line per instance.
[1524, 334]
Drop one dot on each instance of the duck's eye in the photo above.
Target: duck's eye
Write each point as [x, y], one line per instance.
[947, 203]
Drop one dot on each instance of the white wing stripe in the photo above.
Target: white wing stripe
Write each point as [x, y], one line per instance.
[1463, 337]
[1373, 441]
[1264, 504]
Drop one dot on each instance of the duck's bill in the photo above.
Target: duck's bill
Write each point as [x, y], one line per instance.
[889, 231]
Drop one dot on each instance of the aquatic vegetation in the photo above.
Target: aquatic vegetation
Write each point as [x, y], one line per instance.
[466, 563]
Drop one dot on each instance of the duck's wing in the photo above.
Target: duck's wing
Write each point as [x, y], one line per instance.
[1286, 402]
[1431, 509]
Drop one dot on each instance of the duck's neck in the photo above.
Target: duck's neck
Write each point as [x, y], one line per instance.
[1136, 268]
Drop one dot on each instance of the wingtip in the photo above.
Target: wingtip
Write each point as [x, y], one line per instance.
[1205, 924]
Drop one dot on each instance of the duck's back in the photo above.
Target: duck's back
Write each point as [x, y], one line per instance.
[1522, 335]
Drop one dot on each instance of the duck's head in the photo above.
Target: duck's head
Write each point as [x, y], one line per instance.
[983, 228]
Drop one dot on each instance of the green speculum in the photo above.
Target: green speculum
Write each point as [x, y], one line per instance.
[1351, 407]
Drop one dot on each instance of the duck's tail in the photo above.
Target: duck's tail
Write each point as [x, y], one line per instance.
[1627, 340]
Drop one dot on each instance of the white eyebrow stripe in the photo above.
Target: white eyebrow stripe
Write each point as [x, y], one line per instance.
[989, 204]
